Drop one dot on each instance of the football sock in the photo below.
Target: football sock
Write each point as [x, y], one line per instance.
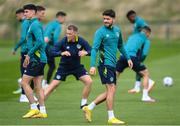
[43, 109]
[33, 106]
[110, 114]
[83, 102]
[91, 106]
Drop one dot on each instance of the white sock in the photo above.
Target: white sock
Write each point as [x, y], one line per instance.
[83, 102]
[145, 92]
[137, 85]
[92, 106]
[33, 106]
[150, 81]
[43, 109]
[110, 114]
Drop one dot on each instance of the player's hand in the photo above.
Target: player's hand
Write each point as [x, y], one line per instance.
[66, 53]
[26, 61]
[92, 71]
[130, 64]
[82, 53]
[46, 39]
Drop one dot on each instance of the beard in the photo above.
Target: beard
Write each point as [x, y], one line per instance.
[108, 24]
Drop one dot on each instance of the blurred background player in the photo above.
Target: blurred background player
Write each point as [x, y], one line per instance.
[71, 48]
[22, 43]
[40, 12]
[34, 63]
[139, 23]
[134, 43]
[107, 41]
[51, 36]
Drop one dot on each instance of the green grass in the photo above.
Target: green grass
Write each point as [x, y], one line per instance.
[63, 104]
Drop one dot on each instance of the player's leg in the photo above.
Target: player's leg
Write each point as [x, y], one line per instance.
[99, 99]
[51, 64]
[145, 75]
[81, 74]
[111, 89]
[53, 85]
[59, 76]
[87, 81]
[29, 93]
[23, 97]
[26, 79]
[140, 68]
[40, 94]
[151, 84]
[137, 85]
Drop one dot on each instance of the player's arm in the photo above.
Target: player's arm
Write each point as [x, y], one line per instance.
[123, 51]
[38, 34]
[56, 50]
[22, 40]
[145, 50]
[86, 49]
[98, 38]
[47, 33]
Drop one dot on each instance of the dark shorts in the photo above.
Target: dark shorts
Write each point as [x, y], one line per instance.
[63, 72]
[107, 74]
[122, 64]
[35, 69]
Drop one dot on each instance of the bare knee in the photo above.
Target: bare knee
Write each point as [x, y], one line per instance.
[145, 73]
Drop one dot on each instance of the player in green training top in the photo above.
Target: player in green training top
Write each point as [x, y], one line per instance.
[22, 43]
[51, 37]
[133, 44]
[107, 41]
[34, 63]
[138, 23]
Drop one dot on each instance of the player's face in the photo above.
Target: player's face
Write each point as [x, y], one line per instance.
[29, 13]
[41, 14]
[148, 34]
[131, 18]
[19, 16]
[70, 34]
[61, 19]
[108, 21]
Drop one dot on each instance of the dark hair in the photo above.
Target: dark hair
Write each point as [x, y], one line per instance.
[20, 10]
[72, 27]
[129, 13]
[147, 28]
[60, 13]
[40, 8]
[110, 13]
[30, 7]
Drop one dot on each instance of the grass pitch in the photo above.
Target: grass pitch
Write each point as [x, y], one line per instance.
[63, 104]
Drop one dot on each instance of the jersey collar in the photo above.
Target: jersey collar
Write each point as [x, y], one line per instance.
[76, 39]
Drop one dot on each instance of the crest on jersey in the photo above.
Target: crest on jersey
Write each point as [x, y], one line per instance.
[78, 46]
[58, 77]
[111, 79]
[67, 47]
[107, 35]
